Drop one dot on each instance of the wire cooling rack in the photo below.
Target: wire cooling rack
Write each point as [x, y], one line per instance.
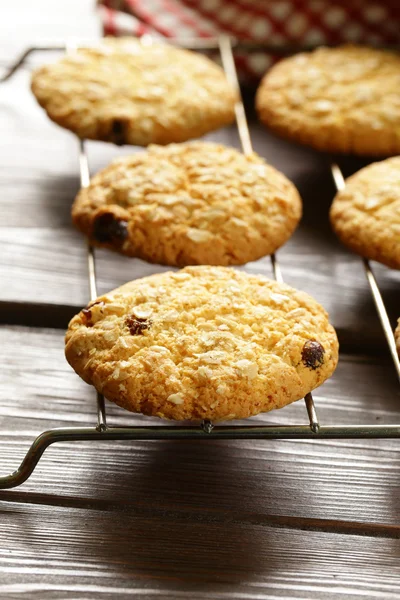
[206, 430]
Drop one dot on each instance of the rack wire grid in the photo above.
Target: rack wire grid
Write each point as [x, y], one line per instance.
[206, 430]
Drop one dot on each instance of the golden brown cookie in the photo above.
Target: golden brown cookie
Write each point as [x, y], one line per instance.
[397, 337]
[366, 214]
[343, 99]
[192, 203]
[204, 342]
[125, 92]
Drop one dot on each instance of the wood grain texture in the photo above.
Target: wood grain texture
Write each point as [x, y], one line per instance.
[108, 554]
[351, 481]
[221, 520]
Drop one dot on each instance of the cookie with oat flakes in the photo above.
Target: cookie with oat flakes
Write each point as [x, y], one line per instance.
[366, 213]
[127, 92]
[191, 203]
[343, 99]
[203, 343]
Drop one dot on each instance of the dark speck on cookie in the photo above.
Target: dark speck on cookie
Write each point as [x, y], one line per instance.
[313, 354]
[136, 325]
[108, 229]
[87, 316]
[118, 132]
[87, 313]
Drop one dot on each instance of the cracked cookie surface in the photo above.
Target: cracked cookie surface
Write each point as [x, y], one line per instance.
[191, 203]
[126, 92]
[366, 214]
[342, 99]
[204, 342]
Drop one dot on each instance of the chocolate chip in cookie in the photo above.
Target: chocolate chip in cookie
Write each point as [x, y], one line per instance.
[117, 134]
[107, 229]
[87, 313]
[137, 325]
[313, 354]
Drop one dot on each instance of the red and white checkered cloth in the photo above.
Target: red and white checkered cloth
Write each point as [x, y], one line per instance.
[276, 22]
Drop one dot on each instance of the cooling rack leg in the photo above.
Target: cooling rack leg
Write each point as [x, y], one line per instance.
[29, 463]
[22, 59]
[17, 64]
[207, 426]
[383, 316]
[228, 63]
[312, 413]
[84, 173]
[276, 270]
[43, 441]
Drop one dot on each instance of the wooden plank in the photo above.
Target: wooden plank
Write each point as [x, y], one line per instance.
[352, 481]
[177, 520]
[122, 554]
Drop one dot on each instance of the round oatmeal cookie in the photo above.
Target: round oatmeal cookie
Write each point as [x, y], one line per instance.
[203, 342]
[127, 92]
[193, 203]
[366, 214]
[343, 99]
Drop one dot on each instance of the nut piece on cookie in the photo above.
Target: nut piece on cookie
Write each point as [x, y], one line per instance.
[203, 343]
[342, 99]
[366, 214]
[124, 92]
[191, 203]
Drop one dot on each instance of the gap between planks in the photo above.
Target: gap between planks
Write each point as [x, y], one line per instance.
[211, 516]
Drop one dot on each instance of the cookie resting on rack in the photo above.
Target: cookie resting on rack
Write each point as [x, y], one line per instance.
[343, 99]
[192, 203]
[203, 342]
[366, 214]
[127, 92]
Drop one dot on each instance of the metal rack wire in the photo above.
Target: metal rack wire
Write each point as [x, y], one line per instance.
[206, 430]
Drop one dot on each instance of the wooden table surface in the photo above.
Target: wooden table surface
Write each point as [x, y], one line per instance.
[223, 519]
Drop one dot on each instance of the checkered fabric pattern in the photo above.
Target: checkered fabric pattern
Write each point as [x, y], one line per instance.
[277, 22]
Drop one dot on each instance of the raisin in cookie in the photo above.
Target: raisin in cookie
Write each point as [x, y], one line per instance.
[193, 203]
[125, 92]
[204, 342]
[343, 99]
[366, 214]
